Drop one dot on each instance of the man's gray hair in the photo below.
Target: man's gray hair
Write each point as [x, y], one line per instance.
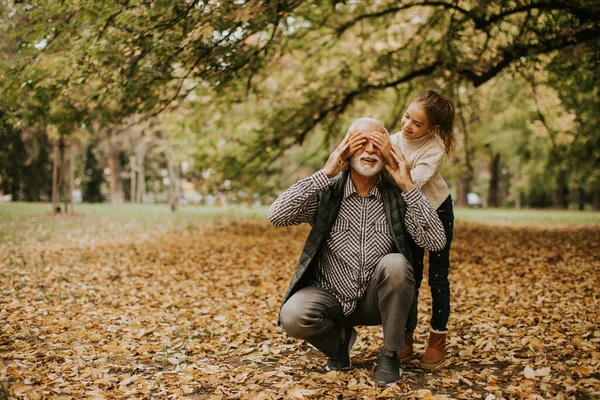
[366, 120]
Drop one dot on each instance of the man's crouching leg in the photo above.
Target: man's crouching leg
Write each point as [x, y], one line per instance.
[395, 288]
[314, 315]
[391, 292]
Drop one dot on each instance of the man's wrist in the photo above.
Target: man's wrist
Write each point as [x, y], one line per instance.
[328, 173]
[407, 186]
[412, 196]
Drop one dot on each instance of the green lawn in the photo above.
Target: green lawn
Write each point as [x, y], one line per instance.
[33, 221]
[528, 216]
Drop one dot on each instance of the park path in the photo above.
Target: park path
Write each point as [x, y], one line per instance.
[192, 313]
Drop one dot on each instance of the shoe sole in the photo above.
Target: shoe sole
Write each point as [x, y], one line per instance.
[383, 384]
[352, 340]
[433, 367]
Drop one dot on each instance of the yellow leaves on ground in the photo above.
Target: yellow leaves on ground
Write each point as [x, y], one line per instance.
[193, 314]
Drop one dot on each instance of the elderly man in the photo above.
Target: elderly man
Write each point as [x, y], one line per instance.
[354, 269]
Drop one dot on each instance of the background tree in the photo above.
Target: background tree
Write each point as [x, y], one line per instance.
[578, 93]
[264, 87]
[93, 179]
[351, 58]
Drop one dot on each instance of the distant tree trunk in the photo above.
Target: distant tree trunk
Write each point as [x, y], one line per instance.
[140, 156]
[492, 200]
[518, 201]
[596, 202]
[72, 178]
[463, 184]
[562, 191]
[173, 182]
[518, 190]
[63, 173]
[462, 190]
[55, 204]
[132, 167]
[141, 184]
[93, 176]
[466, 178]
[581, 198]
[111, 161]
[116, 189]
[115, 184]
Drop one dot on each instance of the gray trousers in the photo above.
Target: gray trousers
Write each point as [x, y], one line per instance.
[314, 315]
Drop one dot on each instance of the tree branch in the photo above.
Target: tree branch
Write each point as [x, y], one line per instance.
[482, 23]
[347, 100]
[344, 27]
[583, 14]
[517, 51]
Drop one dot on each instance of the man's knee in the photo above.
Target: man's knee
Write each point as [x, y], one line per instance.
[293, 319]
[396, 268]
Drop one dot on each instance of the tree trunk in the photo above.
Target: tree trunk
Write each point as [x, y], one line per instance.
[492, 200]
[72, 178]
[55, 205]
[132, 167]
[596, 202]
[562, 191]
[173, 182]
[465, 178]
[517, 190]
[581, 198]
[116, 189]
[63, 174]
[462, 190]
[141, 182]
[140, 156]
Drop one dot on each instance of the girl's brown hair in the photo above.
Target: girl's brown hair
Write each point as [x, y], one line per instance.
[440, 111]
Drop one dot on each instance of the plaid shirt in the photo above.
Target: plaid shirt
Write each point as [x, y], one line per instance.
[360, 236]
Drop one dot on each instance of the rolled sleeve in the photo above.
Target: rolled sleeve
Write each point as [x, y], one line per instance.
[320, 180]
[422, 221]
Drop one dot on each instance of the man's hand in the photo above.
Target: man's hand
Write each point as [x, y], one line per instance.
[401, 174]
[338, 160]
[382, 142]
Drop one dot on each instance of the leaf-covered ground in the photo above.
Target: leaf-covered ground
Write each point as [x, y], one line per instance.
[192, 314]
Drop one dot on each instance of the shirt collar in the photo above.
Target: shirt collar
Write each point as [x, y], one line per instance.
[349, 189]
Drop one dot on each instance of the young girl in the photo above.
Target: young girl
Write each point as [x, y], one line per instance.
[426, 139]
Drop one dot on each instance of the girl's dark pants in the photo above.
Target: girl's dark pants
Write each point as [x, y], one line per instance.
[439, 264]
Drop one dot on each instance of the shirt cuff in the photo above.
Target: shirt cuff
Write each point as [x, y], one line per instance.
[412, 197]
[320, 180]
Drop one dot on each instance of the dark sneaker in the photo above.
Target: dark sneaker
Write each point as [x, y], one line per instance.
[342, 359]
[388, 367]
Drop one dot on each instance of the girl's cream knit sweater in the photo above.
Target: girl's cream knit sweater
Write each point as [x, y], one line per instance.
[425, 156]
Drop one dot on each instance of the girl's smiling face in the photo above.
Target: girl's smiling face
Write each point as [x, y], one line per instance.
[415, 123]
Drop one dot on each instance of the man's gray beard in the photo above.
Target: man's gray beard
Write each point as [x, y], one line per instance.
[366, 170]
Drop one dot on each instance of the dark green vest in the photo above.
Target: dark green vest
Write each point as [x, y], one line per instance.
[329, 202]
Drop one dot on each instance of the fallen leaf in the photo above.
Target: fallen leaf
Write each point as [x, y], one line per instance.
[19, 389]
[529, 373]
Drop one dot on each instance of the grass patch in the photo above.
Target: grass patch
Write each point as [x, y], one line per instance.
[21, 222]
[527, 216]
